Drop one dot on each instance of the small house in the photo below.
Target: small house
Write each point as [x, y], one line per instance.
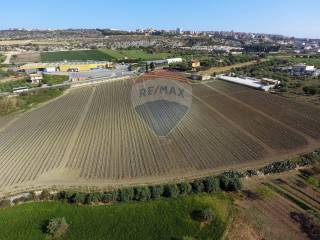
[35, 78]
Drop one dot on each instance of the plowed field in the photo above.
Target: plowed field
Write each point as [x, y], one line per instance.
[94, 136]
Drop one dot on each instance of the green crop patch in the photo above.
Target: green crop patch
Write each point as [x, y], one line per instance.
[85, 55]
[157, 219]
[54, 79]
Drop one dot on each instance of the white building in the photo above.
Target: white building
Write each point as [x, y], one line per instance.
[35, 78]
[261, 84]
[50, 69]
[310, 68]
[174, 60]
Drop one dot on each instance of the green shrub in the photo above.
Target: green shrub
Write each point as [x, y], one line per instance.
[185, 188]
[126, 194]
[156, 191]
[77, 198]
[57, 227]
[62, 195]
[311, 90]
[197, 186]
[211, 184]
[142, 193]
[234, 184]
[109, 197]
[314, 181]
[230, 184]
[171, 190]
[224, 182]
[278, 167]
[233, 174]
[93, 198]
[205, 215]
[45, 195]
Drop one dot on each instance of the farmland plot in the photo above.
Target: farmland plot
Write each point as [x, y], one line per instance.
[291, 113]
[120, 145]
[36, 142]
[271, 133]
[280, 206]
[94, 136]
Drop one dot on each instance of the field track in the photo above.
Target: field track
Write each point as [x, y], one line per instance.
[93, 136]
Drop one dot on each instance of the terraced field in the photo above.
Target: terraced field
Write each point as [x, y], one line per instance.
[93, 136]
[280, 206]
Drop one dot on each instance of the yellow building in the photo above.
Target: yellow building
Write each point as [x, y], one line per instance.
[195, 65]
[83, 66]
[65, 66]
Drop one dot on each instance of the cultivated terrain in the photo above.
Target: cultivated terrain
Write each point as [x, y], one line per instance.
[92, 136]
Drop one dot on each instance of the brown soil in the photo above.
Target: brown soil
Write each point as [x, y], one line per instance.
[95, 138]
[273, 216]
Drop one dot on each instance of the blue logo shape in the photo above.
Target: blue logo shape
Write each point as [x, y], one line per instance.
[161, 99]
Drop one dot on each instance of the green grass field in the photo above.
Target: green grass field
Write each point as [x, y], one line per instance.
[314, 60]
[24, 102]
[54, 79]
[84, 55]
[8, 86]
[112, 53]
[101, 55]
[2, 58]
[157, 219]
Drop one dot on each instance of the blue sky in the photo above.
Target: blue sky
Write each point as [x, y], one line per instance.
[289, 17]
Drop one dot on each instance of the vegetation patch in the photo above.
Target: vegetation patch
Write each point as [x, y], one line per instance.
[113, 53]
[25, 101]
[314, 182]
[264, 192]
[313, 60]
[56, 228]
[104, 55]
[84, 55]
[51, 79]
[2, 58]
[10, 85]
[137, 220]
[299, 202]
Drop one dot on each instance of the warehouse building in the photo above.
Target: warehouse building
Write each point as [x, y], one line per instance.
[174, 60]
[165, 61]
[64, 66]
[264, 84]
